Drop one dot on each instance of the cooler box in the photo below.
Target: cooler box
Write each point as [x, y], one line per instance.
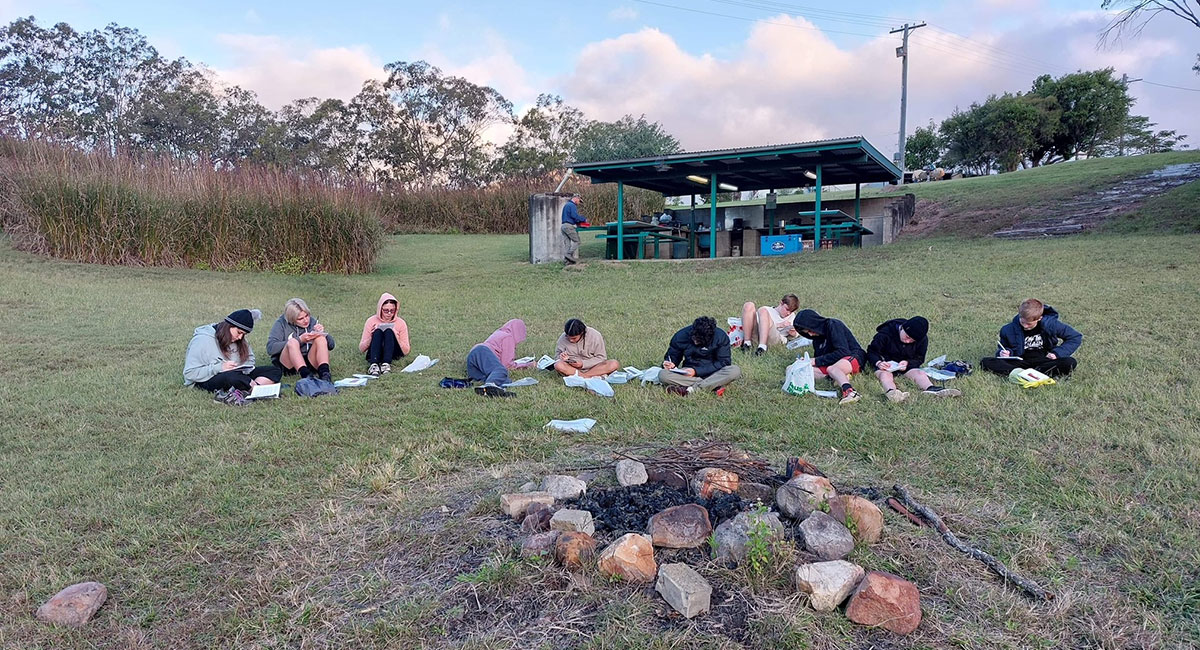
[779, 244]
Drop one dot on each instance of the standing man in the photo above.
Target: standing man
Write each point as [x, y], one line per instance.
[570, 219]
[698, 358]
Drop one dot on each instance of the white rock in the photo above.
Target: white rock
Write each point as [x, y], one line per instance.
[827, 583]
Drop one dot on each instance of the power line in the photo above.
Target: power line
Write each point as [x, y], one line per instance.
[1194, 90]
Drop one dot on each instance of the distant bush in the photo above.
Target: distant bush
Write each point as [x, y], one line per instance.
[154, 211]
[503, 207]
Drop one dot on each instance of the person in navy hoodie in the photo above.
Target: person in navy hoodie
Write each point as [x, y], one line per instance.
[1036, 339]
[838, 354]
[698, 358]
[899, 348]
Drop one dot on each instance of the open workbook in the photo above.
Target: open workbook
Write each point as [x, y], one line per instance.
[268, 391]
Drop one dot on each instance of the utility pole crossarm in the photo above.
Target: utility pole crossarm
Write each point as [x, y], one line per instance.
[902, 53]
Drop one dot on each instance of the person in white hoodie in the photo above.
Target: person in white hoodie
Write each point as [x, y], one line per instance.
[219, 359]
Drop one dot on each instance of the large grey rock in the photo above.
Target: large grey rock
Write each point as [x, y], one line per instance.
[573, 521]
[684, 589]
[563, 487]
[74, 606]
[685, 526]
[732, 536]
[631, 472]
[825, 537]
[827, 583]
[514, 505]
[803, 494]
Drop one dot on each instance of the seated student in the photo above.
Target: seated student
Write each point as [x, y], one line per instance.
[838, 354]
[903, 342]
[491, 360]
[701, 352]
[1036, 339]
[580, 349]
[384, 336]
[219, 359]
[769, 325]
[298, 343]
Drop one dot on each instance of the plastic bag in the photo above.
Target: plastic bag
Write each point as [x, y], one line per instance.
[798, 379]
[618, 377]
[736, 333]
[525, 381]
[420, 363]
[592, 384]
[651, 375]
[582, 425]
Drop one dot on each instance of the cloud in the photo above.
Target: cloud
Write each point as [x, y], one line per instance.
[280, 70]
[623, 14]
[789, 82]
[490, 62]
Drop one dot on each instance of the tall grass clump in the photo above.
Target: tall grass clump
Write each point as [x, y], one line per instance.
[156, 211]
[502, 208]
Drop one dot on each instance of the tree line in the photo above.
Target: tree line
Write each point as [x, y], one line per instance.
[109, 90]
[1082, 114]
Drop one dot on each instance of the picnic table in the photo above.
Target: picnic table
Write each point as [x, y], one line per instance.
[634, 238]
[846, 225]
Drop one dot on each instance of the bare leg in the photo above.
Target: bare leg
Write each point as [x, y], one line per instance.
[764, 324]
[319, 352]
[886, 380]
[748, 310]
[263, 381]
[840, 372]
[291, 357]
[565, 369]
[610, 366]
[919, 378]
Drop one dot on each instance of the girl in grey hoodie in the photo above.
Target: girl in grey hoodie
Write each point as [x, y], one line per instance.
[219, 358]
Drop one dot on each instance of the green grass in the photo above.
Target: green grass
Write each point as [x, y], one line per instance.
[276, 525]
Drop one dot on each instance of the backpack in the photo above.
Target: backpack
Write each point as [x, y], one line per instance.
[315, 387]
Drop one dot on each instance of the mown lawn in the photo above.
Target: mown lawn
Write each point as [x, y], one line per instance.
[321, 524]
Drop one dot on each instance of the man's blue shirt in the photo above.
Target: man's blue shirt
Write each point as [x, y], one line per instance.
[570, 214]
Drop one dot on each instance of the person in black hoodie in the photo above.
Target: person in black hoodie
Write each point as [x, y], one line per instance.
[838, 354]
[699, 357]
[899, 347]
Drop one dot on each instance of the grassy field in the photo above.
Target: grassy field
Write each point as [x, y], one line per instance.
[369, 519]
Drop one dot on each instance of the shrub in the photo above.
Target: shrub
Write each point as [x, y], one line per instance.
[122, 209]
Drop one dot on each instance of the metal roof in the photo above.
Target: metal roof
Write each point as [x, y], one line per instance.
[842, 160]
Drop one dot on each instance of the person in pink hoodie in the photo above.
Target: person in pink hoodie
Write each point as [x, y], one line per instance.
[490, 361]
[384, 336]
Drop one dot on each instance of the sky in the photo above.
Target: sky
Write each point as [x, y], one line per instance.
[715, 73]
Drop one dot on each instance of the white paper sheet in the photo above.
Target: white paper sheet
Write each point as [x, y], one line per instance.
[422, 362]
[581, 425]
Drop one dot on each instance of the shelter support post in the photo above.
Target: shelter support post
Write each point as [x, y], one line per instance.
[857, 212]
[620, 220]
[692, 230]
[817, 228]
[712, 217]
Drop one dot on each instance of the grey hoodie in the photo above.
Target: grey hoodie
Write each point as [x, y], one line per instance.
[280, 332]
[204, 358]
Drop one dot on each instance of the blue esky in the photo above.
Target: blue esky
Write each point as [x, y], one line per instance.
[714, 72]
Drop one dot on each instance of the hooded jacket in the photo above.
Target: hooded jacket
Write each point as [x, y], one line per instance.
[886, 346]
[400, 330]
[282, 329]
[833, 340]
[704, 359]
[1064, 337]
[504, 341]
[204, 357]
[589, 351]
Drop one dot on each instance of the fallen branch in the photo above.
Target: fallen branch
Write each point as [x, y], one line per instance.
[991, 562]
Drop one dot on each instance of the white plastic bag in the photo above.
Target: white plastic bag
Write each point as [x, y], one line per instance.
[592, 384]
[651, 375]
[618, 377]
[736, 333]
[798, 379]
[420, 363]
[582, 425]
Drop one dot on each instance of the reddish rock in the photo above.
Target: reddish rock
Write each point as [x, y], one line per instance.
[631, 558]
[887, 601]
[574, 549]
[667, 477]
[711, 479]
[75, 605]
[756, 492]
[685, 526]
[537, 518]
[862, 517]
[539, 544]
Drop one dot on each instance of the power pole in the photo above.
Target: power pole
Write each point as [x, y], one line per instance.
[902, 53]
[1124, 84]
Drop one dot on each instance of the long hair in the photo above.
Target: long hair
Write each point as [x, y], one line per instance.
[703, 329]
[225, 342]
[574, 327]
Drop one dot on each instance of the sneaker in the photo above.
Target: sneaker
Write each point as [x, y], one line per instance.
[896, 395]
[385, 368]
[325, 376]
[759, 351]
[373, 370]
[849, 396]
[492, 390]
[747, 346]
[720, 391]
[220, 396]
[678, 390]
[941, 391]
[235, 397]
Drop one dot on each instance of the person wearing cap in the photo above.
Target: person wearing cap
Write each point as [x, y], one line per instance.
[570, 219]
[899, 348]
[219, 358]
